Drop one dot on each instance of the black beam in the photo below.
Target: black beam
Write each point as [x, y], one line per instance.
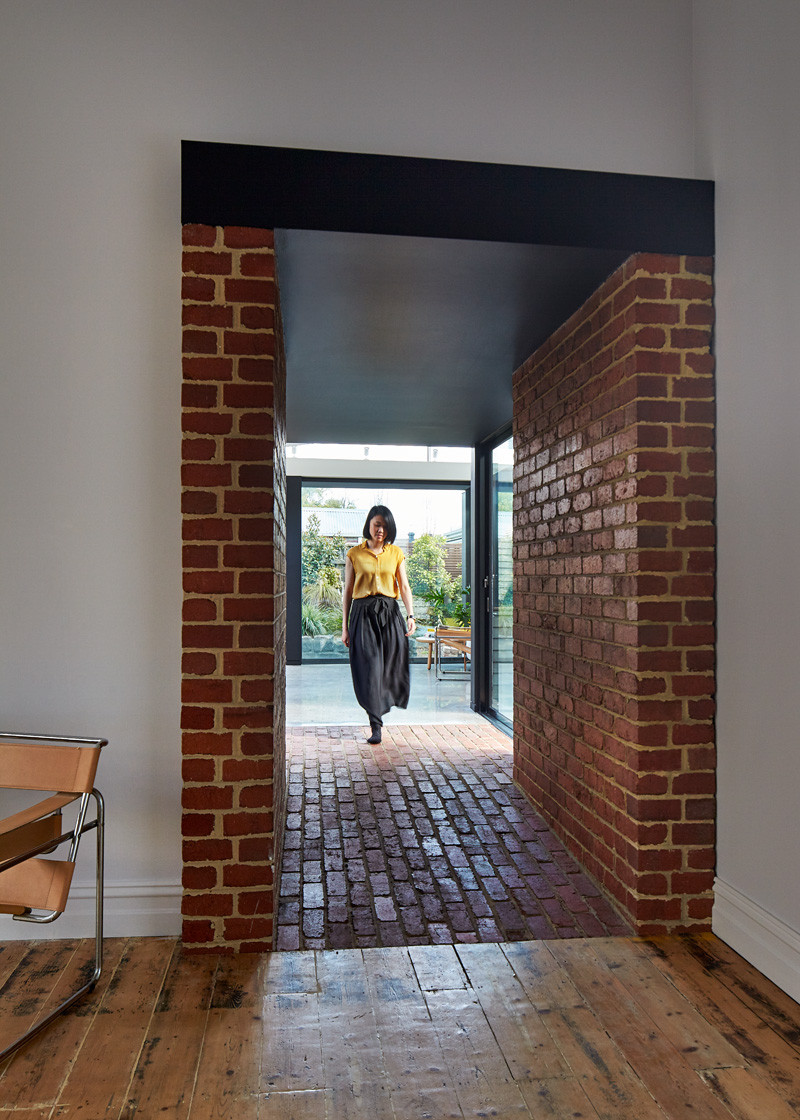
[295, 188]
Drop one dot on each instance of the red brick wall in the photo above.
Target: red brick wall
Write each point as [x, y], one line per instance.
[234, 574]
[614, 588]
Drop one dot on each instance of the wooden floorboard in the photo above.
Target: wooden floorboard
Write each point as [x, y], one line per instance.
[101, 1076]
[595, 1029]
[40, 1069]
[164, 1079]
[29, 989]
[662, 1068]
[722, 1001]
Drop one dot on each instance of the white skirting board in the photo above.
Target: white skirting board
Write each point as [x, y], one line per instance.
[762, 939]
[130, 910]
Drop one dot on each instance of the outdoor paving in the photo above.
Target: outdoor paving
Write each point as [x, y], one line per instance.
[423, 839]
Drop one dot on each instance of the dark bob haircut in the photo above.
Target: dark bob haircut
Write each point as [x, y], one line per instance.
[386, 514]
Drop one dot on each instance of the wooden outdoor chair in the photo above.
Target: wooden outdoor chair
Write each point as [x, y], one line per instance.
[453, 640]
[32, 888]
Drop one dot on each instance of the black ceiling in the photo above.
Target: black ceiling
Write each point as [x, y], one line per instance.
[411, 289]
[414, 340]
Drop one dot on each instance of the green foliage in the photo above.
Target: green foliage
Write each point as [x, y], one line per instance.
[322, 602]
[316, 621]
[425, 566]
[431, 583]
[311, 622]
[460, 606]
[319, 552]
[325, 591]
[451, 603]
[437, 605]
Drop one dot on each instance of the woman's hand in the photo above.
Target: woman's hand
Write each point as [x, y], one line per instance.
[346, 636]
[411, 627]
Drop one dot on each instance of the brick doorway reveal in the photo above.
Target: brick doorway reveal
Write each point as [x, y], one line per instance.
[234, 576]
[614, 585]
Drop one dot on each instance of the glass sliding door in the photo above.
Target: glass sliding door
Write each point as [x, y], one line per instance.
[432, 530]
[501, 581]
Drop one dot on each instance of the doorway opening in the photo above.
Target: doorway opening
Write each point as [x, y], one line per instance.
[649, 430]
[424, 839]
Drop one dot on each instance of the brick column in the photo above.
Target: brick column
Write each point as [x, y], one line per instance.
[614, 588]
[234, 519]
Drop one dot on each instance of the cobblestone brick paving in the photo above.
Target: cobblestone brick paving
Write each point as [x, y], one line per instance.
[424, 839]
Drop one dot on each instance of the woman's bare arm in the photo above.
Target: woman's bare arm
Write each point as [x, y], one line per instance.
[347, 598]
[405, 595]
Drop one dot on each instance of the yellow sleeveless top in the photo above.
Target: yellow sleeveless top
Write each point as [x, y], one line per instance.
[376, 575]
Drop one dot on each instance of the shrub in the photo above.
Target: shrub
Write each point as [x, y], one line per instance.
[319, 552]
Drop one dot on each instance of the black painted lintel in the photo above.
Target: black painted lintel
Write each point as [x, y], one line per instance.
[294, 188]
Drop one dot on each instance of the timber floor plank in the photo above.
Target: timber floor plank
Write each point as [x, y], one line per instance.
[524, 1040]
[30, 985]
[613, 1088]
[38, 1071]
[479, 1073]
[700, 1043]
[596, 1029]
[766, 1053]
[558, 1098]
[547, 984]
[164, 1078]
[438, 967]
[545, 1082]
[426, 1104]
[100, 1077]
[416, 1070]
[778, 1010]
[230, 1067]
[288, 972]
[291, 1058]
[10, 956]
[661, 1068]
[351, 1051]
[301, 1104]
[746, 1096]
[238, 982]
[26, 1114]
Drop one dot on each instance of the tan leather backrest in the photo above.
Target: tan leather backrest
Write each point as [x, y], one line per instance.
[45, 766]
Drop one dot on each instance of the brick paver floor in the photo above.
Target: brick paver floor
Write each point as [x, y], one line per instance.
[423, 839]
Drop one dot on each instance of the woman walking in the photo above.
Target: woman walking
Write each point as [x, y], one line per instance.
[372, 626]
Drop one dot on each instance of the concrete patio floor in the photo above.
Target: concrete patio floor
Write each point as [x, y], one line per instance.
[322, 695]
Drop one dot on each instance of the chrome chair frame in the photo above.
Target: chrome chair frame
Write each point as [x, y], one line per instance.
[73, 837]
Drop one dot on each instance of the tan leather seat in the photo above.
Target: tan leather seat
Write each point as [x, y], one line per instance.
[34, 888]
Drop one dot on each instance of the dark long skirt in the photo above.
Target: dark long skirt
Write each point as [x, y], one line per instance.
[378, 655]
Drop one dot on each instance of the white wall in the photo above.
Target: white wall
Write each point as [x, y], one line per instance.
[95, 96]
[748, 103]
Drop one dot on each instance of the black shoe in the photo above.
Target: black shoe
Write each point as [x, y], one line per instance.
[375, 737]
